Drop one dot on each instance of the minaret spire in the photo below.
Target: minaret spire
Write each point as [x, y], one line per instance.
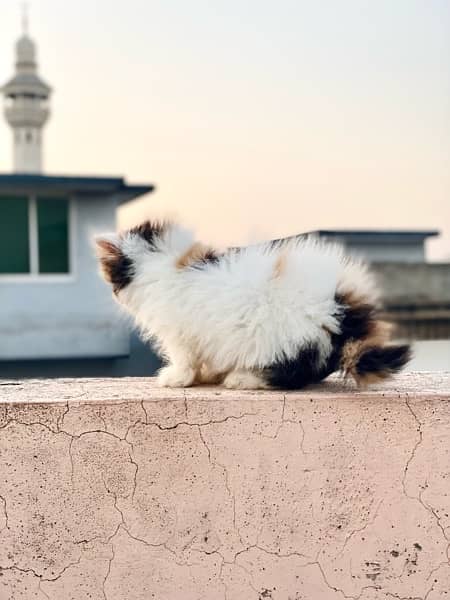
[26, 104]
[25, 18]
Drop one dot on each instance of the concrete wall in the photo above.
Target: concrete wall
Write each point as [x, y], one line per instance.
[117, 490]
[417, 299]
[418, 285]
[408, 253]
[65, 316]
[141, 362]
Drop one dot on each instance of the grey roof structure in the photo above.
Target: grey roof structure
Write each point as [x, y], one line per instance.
[379, 236]
[90, 186]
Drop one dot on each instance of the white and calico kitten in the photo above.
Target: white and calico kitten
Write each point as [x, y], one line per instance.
[280, 315]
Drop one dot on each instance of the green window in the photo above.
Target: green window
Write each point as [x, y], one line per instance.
[14, 240]
[34, 235]
[53, 235]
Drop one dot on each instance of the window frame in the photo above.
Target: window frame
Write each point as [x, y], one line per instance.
[34, 276]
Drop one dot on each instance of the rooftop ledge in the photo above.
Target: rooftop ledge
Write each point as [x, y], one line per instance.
[117, 490]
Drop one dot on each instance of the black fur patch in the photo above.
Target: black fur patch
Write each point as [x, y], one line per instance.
[389, 359]
[355, 323]
[303, 369]
[356, 320]
[150, 232]
[118, 270]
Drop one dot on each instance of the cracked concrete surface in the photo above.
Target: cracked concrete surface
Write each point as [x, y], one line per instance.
[118, 490]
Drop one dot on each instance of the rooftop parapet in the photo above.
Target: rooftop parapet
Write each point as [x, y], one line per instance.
[118, 489]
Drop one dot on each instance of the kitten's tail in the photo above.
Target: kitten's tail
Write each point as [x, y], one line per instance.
[367, 353]
[379, 362]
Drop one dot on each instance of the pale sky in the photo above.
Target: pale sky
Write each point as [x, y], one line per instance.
[255, 119]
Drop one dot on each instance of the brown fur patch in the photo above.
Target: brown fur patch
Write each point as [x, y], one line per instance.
[279, 266]
[378, 335]
[378, 362]
[356, 301]
[195, 254]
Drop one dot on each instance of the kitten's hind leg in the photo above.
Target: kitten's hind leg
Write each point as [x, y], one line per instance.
[243, 379]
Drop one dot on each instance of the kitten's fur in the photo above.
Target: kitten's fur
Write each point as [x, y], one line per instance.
[281, 314]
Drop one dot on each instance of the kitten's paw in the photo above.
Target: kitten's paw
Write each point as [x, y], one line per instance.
[244, 380]
[173, 376]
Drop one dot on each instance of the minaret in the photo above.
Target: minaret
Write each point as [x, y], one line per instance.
[26, 106]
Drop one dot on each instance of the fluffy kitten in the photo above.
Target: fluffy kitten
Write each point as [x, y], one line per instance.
[281, 314]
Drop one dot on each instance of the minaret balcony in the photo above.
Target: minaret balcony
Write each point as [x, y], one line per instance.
[27, 113]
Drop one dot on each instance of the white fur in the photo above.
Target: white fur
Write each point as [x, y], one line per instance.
[238, 316]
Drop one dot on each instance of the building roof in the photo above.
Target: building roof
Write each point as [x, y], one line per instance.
[379, 236]
[89, 186]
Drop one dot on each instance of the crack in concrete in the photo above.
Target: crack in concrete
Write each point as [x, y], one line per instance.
[309, 563]
[246, 571]
[185, 404]
[123, 525]
[60, 419]
[432, 510]
[204, 423]
[414, 450]
[39, 575]
[72, 467]
[302, 441]
[282, 422]
[272, 553]
[133, 462]
[43, 591]
[428, 508]
[108, 570]
[5, 512]
[341, 591]
[102, 419]
[231, 494]
[398, 597]
[14, 420]
[360, 529]
[419, 498]
[145, 412]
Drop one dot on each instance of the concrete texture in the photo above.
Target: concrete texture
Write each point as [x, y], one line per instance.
[117, 490]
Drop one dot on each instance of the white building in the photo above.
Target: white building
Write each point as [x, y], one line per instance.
[53, 304]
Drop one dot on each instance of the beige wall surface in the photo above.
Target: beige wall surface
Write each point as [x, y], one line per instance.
[118, 490]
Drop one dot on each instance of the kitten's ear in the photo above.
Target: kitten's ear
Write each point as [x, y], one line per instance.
[115, 267]
[107, 246]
